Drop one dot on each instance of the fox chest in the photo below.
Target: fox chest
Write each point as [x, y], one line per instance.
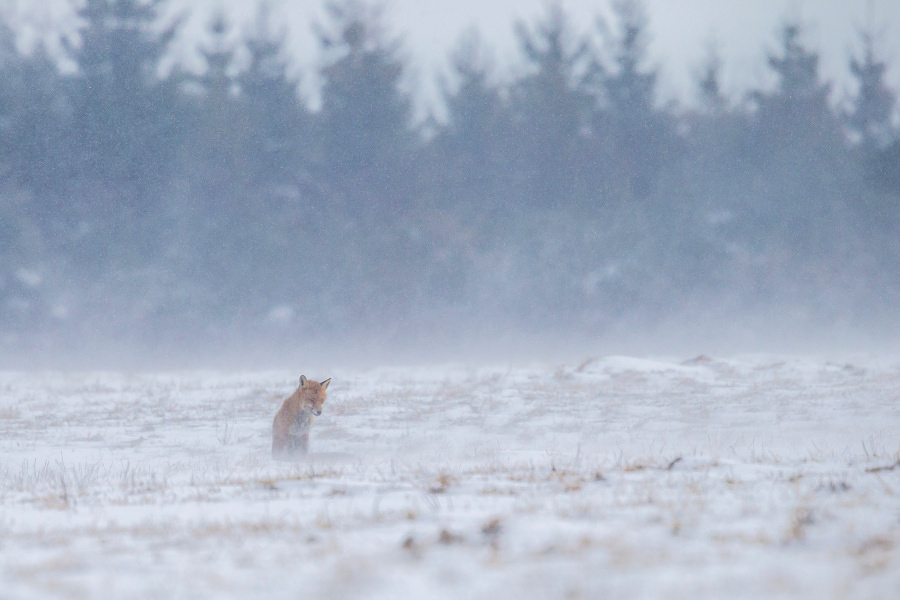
[302, 423]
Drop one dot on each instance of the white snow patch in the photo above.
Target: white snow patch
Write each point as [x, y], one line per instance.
[281, 314]
[29, 277]
[751, 477]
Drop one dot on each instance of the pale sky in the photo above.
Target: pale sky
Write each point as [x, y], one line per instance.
[680, 32]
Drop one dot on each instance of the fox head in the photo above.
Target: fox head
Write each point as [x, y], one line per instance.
[313, 394]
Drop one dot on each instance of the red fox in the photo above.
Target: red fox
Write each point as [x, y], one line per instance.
[290, 429]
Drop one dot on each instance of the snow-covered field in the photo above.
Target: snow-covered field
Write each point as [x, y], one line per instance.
[752, 477]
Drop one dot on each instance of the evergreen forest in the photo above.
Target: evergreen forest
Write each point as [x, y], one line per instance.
[169, 211]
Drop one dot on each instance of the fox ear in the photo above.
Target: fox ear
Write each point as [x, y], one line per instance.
[325, 383]
[303, 381]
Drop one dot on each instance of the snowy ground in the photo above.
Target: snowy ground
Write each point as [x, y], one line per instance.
[752, 477]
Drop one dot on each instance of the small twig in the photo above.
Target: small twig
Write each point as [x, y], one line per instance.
[884, 468]
[580, 368]
[673, 463]
[65, 489]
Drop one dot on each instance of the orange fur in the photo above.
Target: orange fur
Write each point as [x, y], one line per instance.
[293, 422]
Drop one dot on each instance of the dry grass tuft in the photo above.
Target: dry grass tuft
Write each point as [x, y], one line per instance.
[896, 465]
[10, 412]
[443, 482]
[802, 519]
[492, 528]
[448, 538]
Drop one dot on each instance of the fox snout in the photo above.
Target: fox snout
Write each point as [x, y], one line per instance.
[317, 412]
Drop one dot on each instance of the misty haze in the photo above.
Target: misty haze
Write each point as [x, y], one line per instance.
[241, 214]
[560, 206]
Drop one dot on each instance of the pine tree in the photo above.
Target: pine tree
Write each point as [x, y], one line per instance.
[474, 107]
[34, 116]
[287, 217]
[365, 135]
[551, 107]
[638, 136]
[467, 159]
[797, 150]
[278, 117]
[219, 157]
[871, 119]
[365, 146]
[124, 116]
[797, 112]
[215, 226]
[873, 107]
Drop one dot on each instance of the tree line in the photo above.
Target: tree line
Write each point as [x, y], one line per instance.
[568, 197]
